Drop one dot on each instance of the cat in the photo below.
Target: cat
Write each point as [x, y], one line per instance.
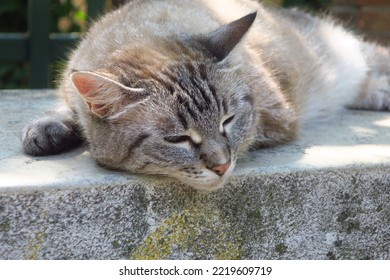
[183, 87]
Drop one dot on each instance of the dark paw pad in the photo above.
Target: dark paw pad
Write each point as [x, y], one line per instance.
[48, 136]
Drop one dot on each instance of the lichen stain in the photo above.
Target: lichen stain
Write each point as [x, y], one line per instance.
[281, 248]
[198, 232]
[34, 245]
[4, 226]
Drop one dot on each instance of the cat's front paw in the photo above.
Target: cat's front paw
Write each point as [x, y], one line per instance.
[48, 136]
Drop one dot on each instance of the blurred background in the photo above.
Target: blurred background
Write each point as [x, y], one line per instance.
[68, 19]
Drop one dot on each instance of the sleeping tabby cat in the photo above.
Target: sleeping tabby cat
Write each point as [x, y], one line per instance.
[184, 87]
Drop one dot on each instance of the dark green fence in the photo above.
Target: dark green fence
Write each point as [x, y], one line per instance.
[38, 46]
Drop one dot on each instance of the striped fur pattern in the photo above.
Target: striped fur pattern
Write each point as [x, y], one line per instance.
[182, 88]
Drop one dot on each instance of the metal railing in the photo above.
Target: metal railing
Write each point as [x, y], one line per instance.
[38, 46]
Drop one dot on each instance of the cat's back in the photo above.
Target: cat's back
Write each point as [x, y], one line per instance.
[171, 17]
[142, 21]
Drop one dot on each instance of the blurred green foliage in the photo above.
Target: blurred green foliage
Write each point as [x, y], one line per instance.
[67, 16]
[70, 16]
[13, 18]
[13, 15]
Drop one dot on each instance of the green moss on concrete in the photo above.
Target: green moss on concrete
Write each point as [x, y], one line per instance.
[4, 226]
[117, 215]
[281, 248]
[34, 246]
[352, 226]
[256, 216]
[115, 244]
[197, 232]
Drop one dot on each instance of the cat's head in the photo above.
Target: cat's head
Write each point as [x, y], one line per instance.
[176, 108]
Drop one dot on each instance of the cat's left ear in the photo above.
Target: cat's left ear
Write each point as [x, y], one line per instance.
[222, 41]
[104, 96]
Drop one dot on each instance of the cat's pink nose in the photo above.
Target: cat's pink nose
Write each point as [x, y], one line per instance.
[221, 169]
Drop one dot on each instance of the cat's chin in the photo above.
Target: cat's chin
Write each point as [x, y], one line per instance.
[209, 185]
[211, 182]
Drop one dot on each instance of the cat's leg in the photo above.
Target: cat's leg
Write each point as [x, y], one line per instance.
[375, 90]
[53, 133]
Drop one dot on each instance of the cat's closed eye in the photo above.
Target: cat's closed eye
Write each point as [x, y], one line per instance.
[182, 140]
[226, 123]
[177, 139]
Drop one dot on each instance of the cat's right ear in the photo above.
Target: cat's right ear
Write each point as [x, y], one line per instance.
[105, 96]
[222, 41]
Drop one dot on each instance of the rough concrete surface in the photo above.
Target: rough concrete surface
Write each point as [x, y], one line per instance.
[324, 196]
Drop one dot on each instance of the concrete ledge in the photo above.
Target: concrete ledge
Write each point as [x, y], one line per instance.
[325, 196]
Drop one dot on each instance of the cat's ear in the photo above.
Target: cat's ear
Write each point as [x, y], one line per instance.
[104, 96]
[222, 41]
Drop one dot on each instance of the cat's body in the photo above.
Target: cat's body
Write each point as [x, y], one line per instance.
[170, 87]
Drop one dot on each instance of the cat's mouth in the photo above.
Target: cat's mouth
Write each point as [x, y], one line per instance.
[200, 178]
[209, 181]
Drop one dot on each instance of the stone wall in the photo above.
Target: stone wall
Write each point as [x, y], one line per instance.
[324, 196]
